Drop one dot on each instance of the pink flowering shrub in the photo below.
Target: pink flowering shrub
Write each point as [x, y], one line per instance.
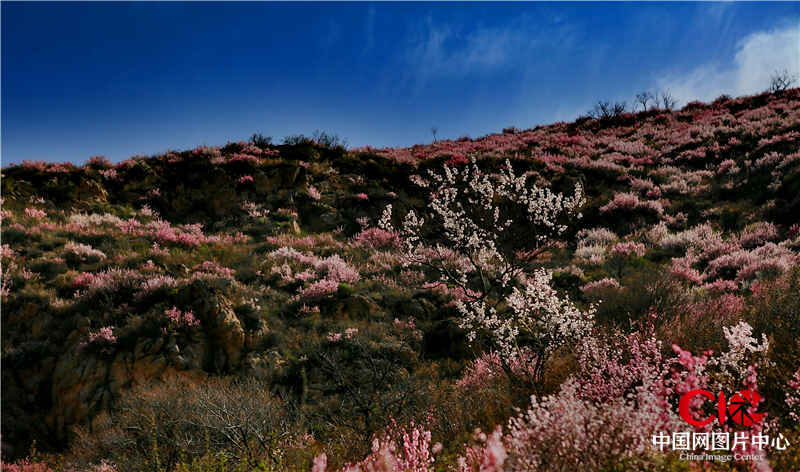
[569, 432]
[287, 213]
[84, 252]
[620, 397]
[319, 289]
[793, 396]
[376, 238]
[109, 280]
[181, 319]
[102, 340]
[620, 254]
[104, 335]
[110, 174]
[757, 234]
[334, 337]
[313, 193]
[745, 265]
[163, 232]
[6, 251]
[212, 269]
[25, 465]
[337, 270]
[254, 210]
[35, 213]
[630, 202]
[627, 249]
[488, 455]
[486, 368]
[155, 283]
[701, 237]
[333, 271]
[398, 449]
[597, 288]
[592, 254]
[237, 157]
[593, 244]
[596, 236]
[410, 323]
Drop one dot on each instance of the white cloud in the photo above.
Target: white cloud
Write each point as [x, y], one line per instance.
[369, 29]
[757, 57]
[443, 50]
[332, 36]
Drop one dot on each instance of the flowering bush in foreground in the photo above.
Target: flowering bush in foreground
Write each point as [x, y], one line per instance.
[603, 415]
[400, 449]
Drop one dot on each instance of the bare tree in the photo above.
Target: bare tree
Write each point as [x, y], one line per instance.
[668, 102]
[434, 130]
[156, 426]
[643, 98]
[604, 109]
[781, 80]
[328, 140]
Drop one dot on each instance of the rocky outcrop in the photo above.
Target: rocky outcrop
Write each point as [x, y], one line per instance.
[79, 384]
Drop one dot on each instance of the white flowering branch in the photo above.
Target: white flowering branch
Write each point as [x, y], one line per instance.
[480, 233]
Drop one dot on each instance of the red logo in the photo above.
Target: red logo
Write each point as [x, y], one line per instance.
[737, 407]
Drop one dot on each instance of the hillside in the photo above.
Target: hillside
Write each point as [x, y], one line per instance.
[140, 299]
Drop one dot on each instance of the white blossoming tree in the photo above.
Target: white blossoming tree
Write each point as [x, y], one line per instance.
[479, 235]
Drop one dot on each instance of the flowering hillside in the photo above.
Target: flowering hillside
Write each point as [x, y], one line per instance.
[538, 300]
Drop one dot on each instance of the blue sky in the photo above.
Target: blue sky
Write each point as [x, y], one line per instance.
[120, 79]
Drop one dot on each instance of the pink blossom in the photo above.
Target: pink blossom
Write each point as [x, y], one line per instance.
[350, 332]
[598, 287]
[488, 456]
[84, 251]
[181, 319]
[104, 337]
[483, 370]
[236, 157]
[35, 213]
[212, 269]
[376, 238]
[25, 465]
[110, 174]
[313, 193]
[408, 324]
[319, 289]
[630, 202]
[320, 463]
[398, 449]
[288, 213]
[793, 396]
[627, 248]
[6, 251]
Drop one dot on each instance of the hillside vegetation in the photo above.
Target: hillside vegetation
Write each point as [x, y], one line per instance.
[281, 307]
